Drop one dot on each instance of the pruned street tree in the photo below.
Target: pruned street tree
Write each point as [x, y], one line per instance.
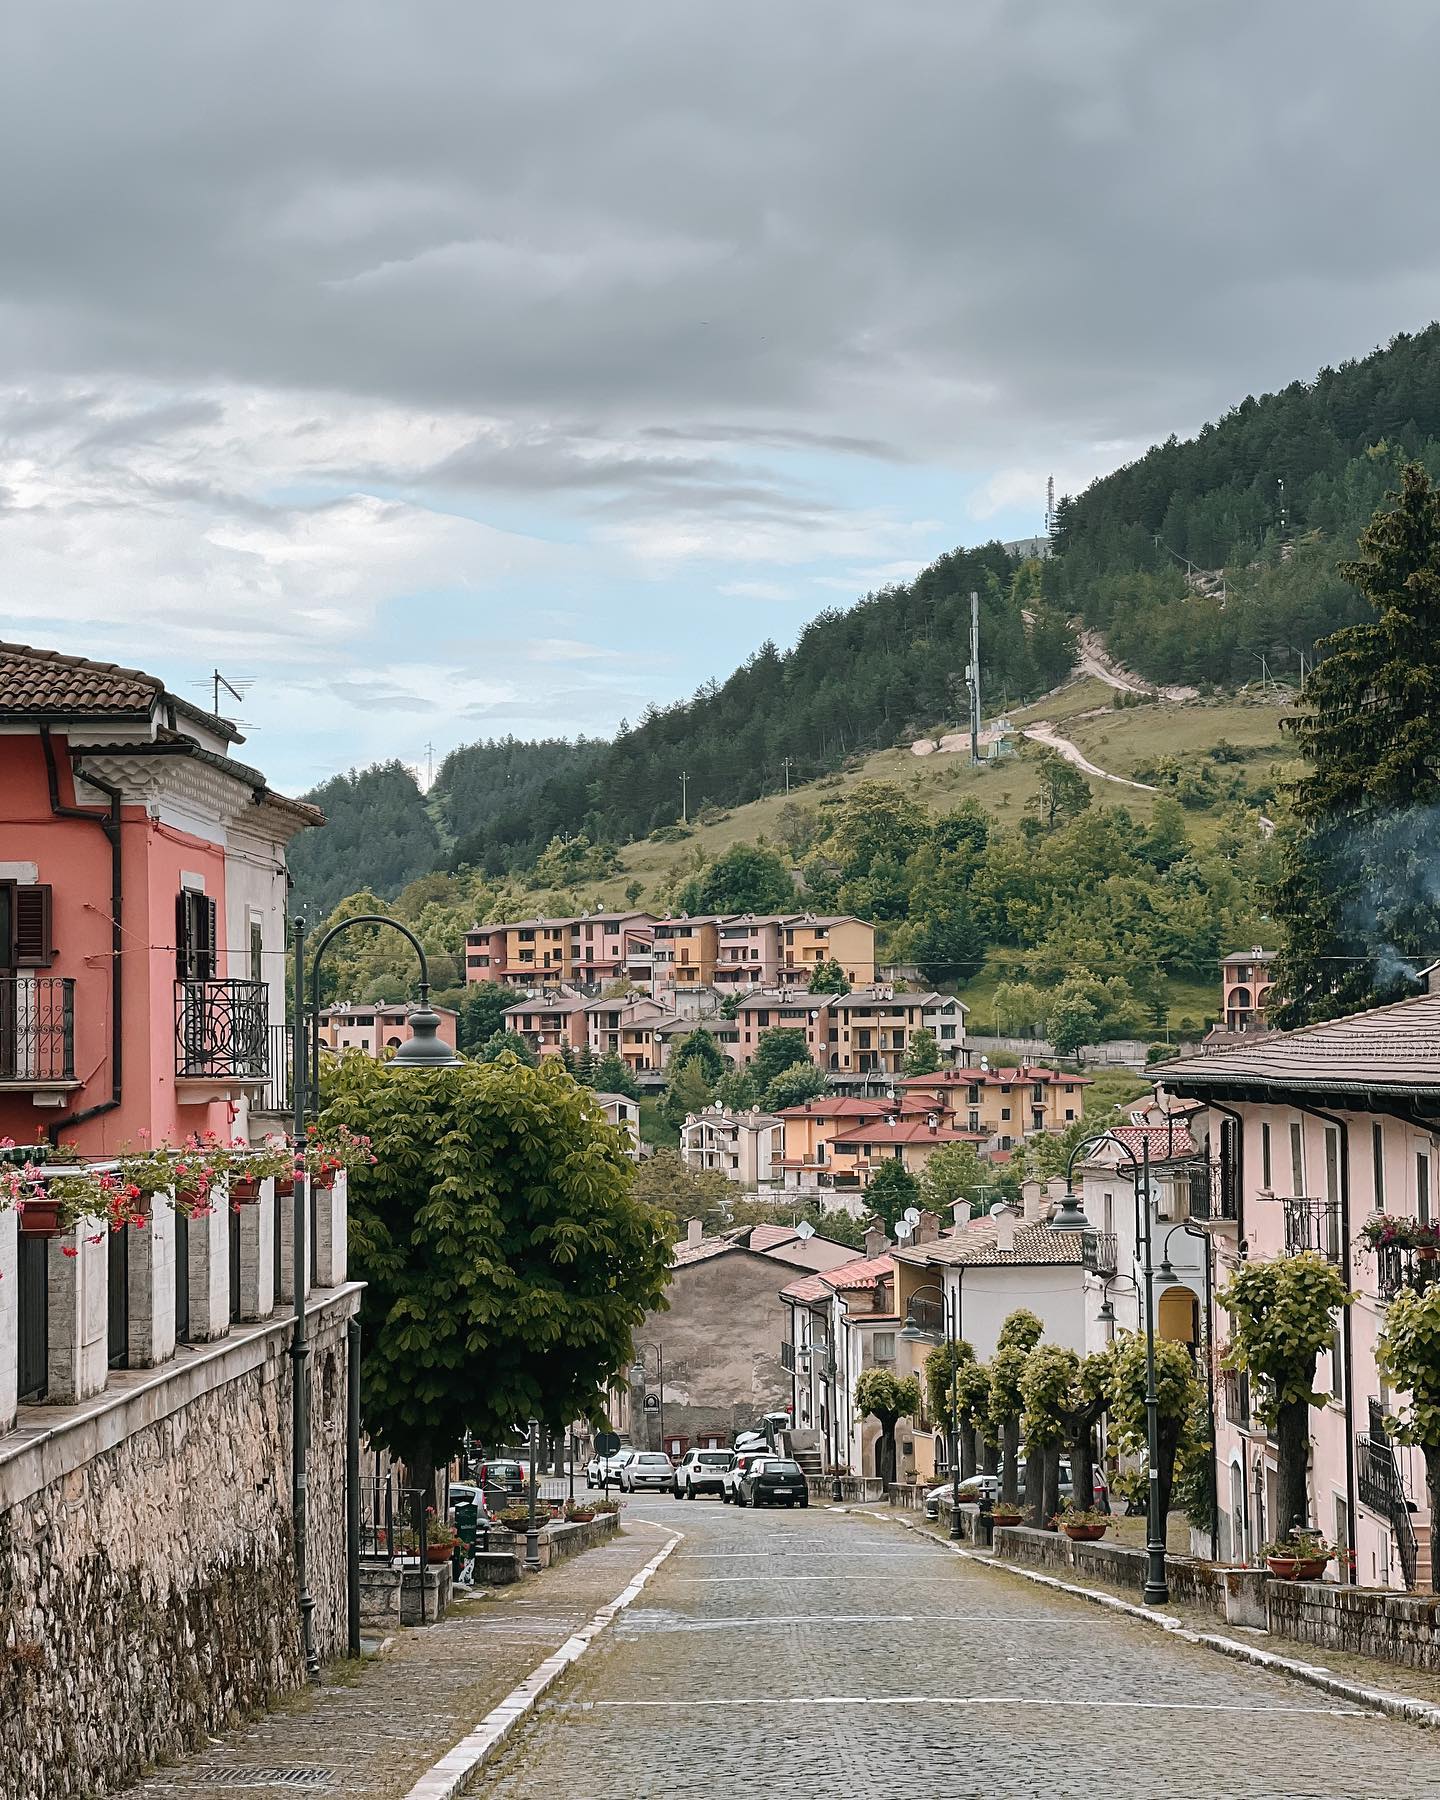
[972, 1415]
[1176, 1389]
[1283, 1314]
[1408, 1354]
[1050, 1374]
[1007, 1403]
[887, 1397]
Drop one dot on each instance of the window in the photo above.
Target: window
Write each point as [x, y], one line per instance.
[1337, 1367]
[1377, 1164]
[25, 925]
[1107, 1212]
[1004, 1112]
[1265, 1180]
[1332, 1163]
[1422, 1186]
[257, 950]
[194, 936]
[947, 1032]
[883, 1345]
[1297, 1158]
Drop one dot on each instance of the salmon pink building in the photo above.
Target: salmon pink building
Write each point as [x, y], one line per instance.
[142, 909]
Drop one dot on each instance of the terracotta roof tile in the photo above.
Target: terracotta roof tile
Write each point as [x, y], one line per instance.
[977, 1245]
[43, 681]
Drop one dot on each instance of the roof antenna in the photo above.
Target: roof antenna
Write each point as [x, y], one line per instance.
[237, 689]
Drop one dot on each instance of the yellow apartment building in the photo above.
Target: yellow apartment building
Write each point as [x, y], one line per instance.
[1004, 1106]
[808, 1131]
[685, 951]
[809, 940]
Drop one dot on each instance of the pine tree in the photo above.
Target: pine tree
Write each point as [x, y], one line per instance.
[1358, 894]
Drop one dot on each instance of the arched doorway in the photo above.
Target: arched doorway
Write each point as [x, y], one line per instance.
[1178, 1315]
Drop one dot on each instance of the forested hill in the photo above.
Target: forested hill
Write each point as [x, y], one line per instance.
[854, 681]
[1273, 495]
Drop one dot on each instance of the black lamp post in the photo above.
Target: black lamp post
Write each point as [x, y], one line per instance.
[532, 1530]
[638, 1376]
[1167, 1274]
[1071, 1217]
[916, 1333]
[424, 1050]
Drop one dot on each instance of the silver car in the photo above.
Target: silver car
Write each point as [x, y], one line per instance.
[647, 1468]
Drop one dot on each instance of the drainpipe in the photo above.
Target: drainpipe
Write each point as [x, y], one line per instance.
[1345, 1336]
[109, 823]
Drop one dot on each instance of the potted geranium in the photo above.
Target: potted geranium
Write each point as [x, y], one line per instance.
[1302, 1556]
[579, 1512]
[250, 1165]
[1386, 1231]
[1082, 1524]
[328, 1152]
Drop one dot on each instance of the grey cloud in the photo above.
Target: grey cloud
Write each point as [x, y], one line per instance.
[963, 230]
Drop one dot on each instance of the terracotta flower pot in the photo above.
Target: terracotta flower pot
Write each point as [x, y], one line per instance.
[244, 1192]
[1297, 1568]
[285, 1187]
[1084, 1534]
[40, 1219]
[580, 1518]
[438, 1553]
[323, 1182]
[1003, 1515]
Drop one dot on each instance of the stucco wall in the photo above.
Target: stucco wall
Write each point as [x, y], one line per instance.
[721, 1339]
[147, 1590]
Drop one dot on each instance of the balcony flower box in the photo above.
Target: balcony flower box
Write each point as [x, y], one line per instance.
[327, 1153]
[1384, 1231]
[41, 1217]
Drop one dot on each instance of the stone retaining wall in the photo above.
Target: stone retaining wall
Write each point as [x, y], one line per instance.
[1368, 1621]
[852, 1487]
[147, 1587]
[1193, 1583]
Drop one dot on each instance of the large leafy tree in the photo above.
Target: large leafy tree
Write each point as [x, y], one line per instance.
[1408, 1354]
[941, 1367]
[665, 1181]
[1282, 1315]
[745, 878]
[881, 1394]
[923, 1056]
[690, 1090]
[1357, 896]
[779, 1047]
[802, 1081]
[482, 1013]
[1062, 792]
[890, 1191]
[829, 978]
[506, 1259]
[1006, 1404]
[1051, 1372]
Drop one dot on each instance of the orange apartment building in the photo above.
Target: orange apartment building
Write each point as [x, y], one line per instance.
[836, 937]
[685, 951]
[1245, 989]
[909, 1139]
[1004, 1106]
[749, 952]
[808, 1133]
[759, 1013]
[592, 947]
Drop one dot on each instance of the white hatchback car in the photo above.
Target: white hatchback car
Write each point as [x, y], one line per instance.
[647, 1469]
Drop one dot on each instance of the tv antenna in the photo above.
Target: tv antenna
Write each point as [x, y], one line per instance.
[1050, 507]
[216, 682]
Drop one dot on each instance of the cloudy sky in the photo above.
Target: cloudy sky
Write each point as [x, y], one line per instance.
[451, 370]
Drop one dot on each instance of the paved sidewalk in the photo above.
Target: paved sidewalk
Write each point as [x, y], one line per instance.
[374, 1728]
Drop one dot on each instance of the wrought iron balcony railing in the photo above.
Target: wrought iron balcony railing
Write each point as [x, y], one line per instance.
[1101, 1252]
[1312, 1225]
[1400, 1266]
[37, 1028]
[1378, 1483]
[1214, 1189]
[787, 1357]
[222, 1030]
[927, 1316]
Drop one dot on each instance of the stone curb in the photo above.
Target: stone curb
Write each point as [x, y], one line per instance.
[446, 1778]
[1395, 1706]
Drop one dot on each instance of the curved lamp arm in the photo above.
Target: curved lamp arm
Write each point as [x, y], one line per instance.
[322, 947]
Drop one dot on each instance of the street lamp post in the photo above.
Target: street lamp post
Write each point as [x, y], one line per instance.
[1071, 1216]
[916, 1333]
[1168, 1275]
[424, 1050]
[532, 1530]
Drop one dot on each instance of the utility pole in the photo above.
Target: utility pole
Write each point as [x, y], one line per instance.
[429, 766]
[788, 761]
[973, 673]
[684, 798]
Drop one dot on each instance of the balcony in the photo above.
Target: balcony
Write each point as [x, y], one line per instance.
[1377, 1481]
[37, 1036]
[1100, 1252]
[1312, 1225]
[787, 1357]
[926, 1318]
[1214, 1190]
[1401, 1267]
[1236, 1387]
[222, 1038]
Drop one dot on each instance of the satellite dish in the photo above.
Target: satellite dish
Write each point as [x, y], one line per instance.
[912, 1213]
[904, 1230]
[984, 1065]
[804, 1229]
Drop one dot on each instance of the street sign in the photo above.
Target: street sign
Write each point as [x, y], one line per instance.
[652, 1403]
[607, 1443]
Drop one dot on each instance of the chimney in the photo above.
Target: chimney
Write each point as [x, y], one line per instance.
[1005, 1227]
[928, 1229]
[694, 1231]
[961, 1210]
[1431, 977]
[876, 1242]
[1033, 1196]
[1057, 1188]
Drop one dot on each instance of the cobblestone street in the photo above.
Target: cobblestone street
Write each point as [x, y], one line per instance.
[833, 1654]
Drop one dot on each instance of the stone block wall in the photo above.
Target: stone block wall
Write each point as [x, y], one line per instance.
[147, 1592]
[1193, 1583]
[1402, 1628]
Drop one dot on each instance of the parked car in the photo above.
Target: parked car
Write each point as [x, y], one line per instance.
[974, 1486]
[730, 1478]
[702, 1472]
[647, 1468]
[601, 1468]
[498, 1476]
[773, 1481]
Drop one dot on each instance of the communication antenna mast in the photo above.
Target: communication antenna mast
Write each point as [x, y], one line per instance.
[216, 682]
[1050, 507]
[1284, 526]
[972, 675]
[429, 766]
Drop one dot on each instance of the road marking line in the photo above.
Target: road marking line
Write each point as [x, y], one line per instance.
[728, 1624]
[750, 1580]
[810, 1555]
[454, 1769]
[1394, 1706]
[1031, 1700]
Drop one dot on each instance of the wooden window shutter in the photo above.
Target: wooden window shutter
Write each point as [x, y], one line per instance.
[183, 945]
[209, 954]
[34, 948]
